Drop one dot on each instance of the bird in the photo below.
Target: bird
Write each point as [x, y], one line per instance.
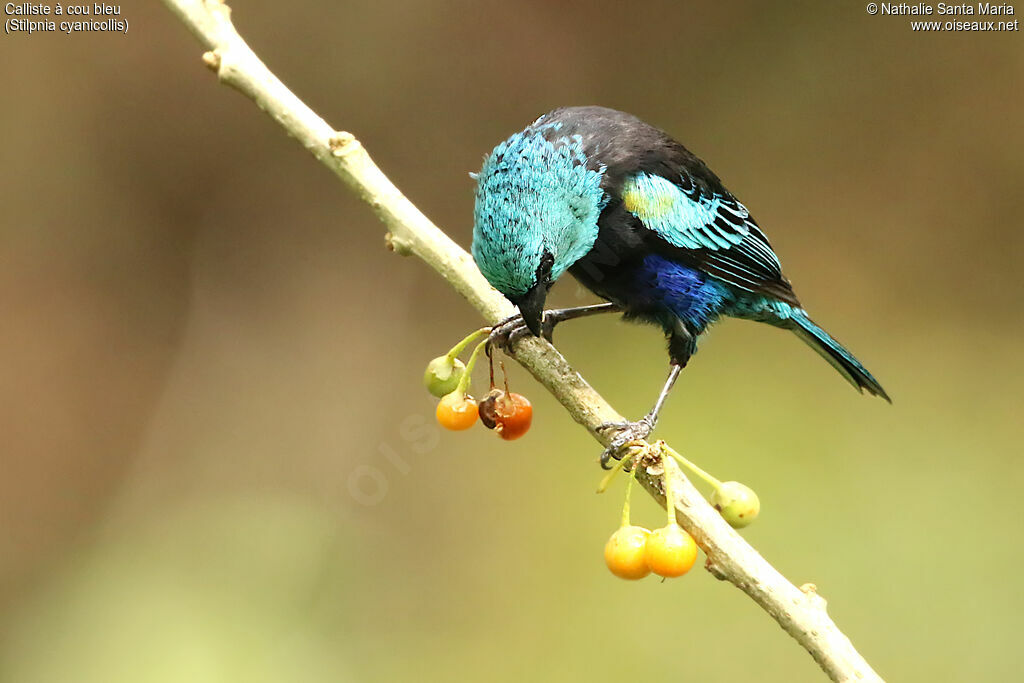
[642, 223]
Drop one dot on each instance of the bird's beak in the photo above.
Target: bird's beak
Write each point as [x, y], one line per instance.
[531, 306]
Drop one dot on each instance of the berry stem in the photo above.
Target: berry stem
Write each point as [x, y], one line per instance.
[475, 334]
[629, 492]
[666, 482]
[603, 486]
[464, 382]
[690, 466]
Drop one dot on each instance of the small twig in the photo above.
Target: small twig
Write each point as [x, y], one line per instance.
[800, 612]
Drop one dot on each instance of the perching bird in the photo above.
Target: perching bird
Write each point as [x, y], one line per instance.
[642, 223]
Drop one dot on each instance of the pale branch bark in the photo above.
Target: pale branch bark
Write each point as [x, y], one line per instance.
[800, 611]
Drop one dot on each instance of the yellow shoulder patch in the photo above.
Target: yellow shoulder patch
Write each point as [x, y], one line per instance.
[647, 200]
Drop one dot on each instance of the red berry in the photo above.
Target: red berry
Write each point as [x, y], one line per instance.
[513, 415]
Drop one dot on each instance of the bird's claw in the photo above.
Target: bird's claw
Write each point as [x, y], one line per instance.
[629, 433]
[510, 330]
[503, 334]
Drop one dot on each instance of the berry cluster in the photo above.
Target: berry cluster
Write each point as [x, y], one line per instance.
[633, 552]
[507, 413]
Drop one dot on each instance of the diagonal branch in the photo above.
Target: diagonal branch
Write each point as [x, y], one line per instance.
[801, 612]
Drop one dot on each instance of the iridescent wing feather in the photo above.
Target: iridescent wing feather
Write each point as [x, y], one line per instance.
[709, 230]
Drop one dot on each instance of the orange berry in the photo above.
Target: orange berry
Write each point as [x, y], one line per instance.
[670, 551]
[513, 415]
[624, 553]
[456, 411]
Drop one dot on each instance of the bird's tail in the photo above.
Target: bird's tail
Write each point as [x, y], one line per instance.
[837, 356]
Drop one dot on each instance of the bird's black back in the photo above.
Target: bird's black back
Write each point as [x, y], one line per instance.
[625, 146]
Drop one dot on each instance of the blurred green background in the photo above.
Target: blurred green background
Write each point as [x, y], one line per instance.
[218, 461]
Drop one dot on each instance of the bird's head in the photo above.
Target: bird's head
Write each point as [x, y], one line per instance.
[538, 198]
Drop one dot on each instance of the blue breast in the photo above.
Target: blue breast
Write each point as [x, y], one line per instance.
[661, 286]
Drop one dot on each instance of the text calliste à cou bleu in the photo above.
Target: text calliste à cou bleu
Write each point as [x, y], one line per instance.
[26, 9]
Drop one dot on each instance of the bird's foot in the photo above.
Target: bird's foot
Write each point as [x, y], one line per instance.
[627, 433]
[506, 333]
[513, 328]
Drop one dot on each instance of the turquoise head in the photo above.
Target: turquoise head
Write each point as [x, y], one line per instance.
[537, 205]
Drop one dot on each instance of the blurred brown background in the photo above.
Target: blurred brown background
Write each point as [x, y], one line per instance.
[218, 461]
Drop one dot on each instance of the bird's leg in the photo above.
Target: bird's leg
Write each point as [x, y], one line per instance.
[628, 432]
[511, 329]
[681, 345]
[557, 315]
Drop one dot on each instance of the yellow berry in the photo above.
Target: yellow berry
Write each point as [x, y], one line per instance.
[670, 551]
[624, 553]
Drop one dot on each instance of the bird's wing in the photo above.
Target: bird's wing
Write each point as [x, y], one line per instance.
[710, 230]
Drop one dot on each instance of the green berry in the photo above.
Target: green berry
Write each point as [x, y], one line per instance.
[738, 504]
[442, 375]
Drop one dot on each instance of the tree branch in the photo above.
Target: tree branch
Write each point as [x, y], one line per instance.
[801, 612]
